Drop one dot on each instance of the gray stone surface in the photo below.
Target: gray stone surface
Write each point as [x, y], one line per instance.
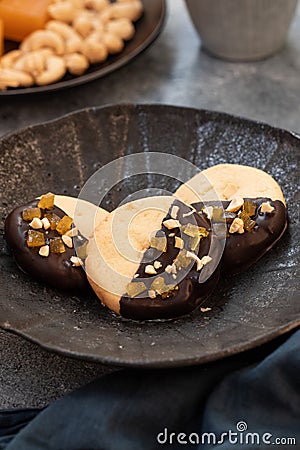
[174, 71]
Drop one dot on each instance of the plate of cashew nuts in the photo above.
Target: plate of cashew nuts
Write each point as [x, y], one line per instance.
[83, 40]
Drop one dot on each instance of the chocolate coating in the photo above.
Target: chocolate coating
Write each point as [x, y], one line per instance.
[56, 270]
[243, 250]
[190, 293]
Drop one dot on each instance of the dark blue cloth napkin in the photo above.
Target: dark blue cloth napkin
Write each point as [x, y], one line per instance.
[249, 401]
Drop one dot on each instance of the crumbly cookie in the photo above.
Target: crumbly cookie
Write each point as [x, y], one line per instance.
[253, 208]
[42, 234]
[147, 256]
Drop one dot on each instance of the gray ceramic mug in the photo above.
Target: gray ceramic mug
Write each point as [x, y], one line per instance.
[242, 30]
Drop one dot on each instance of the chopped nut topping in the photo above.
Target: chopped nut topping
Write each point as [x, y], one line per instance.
[266, 207]
[64, 225]
[208, 211]
[179, 243]
[157, 264]
[57, 245]
[30, 213]
[235, 204]
[67, 240]
[76, 262]
[149, 269]
[159, 243]
[174, 211]
[136, 275]
[171, 223]
[174, 276]
[171, 234]
[72, 233]
[230, 190]
[206, 259]
[189, 213]
[135, 288]
[35, 238]
[168, 269]
[205, 309]
[196, 259]
[46, 201]
[171, 268]
[36, 224]
[44, 251]
[46, 223]
[237, 226]
[151, 293]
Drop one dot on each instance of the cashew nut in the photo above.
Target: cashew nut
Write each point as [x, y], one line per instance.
[97, 5]
[55, 70]
[113, 43]
[131, 10]
[10, 58]
[14, 78]
[76, 63]
[94, 48]
[41, 39]
[33, 62]
[83, 24]
[73, 41]
[63, 11]
[123, 28]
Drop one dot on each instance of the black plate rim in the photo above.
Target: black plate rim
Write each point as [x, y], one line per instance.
[119, 362]
[168, 364]
[100, 73]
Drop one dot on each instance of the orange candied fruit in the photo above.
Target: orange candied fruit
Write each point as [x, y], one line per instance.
[47, 201]
[53, 218]
[30, 213]
[35, 238]
[64, 225]
[57, 245]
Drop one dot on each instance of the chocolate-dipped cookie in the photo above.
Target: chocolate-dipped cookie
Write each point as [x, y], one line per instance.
[41, 236]
[254, 210]
[150, 259]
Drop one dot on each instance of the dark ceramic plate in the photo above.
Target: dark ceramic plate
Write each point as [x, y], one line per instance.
[250, 309]
[147, 30]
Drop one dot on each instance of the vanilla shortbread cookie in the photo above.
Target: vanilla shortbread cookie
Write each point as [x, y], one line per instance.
[146, 258]
[42, 235]
[253, 208]
[228, 181]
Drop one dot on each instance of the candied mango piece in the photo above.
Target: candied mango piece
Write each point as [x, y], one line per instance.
[249, 224]
[250, 208]
[182, 259]
[135, 288]
[57, 245]
[64, 225]
[159, 243]
[21, 17]
[53, 218]
[46, 201]
[30, 213]
[194, 231]
[82, 250]
[35, 238]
